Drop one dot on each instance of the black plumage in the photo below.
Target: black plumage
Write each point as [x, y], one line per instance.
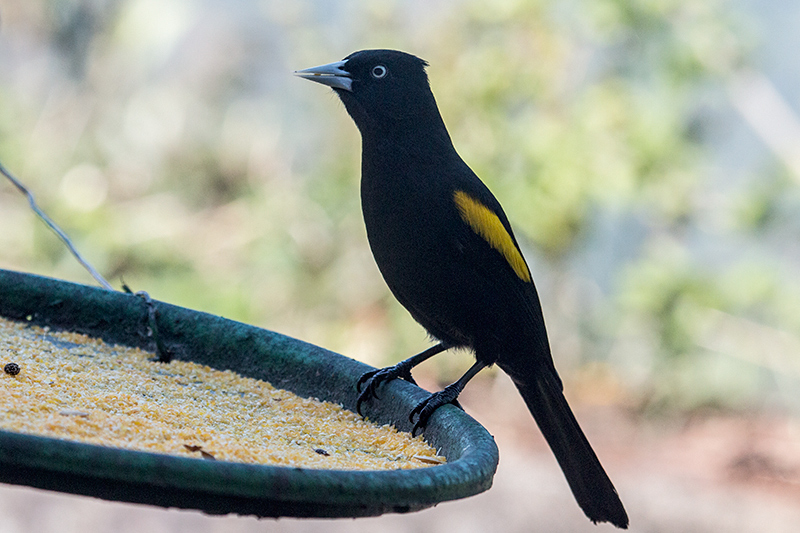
[448, 254]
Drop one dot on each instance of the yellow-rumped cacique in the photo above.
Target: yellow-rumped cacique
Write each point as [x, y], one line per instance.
[447, 252]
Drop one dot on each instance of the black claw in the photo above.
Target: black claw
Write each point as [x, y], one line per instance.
[423, 412]
[370, 381]
[368, 393]
[425, 409]
[366, 376]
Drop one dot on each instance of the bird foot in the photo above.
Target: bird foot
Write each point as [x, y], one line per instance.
[372, 379]
[425, 409]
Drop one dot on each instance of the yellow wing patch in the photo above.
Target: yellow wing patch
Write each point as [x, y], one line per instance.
[488, 225]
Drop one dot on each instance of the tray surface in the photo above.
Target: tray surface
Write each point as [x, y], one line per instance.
[220, 487]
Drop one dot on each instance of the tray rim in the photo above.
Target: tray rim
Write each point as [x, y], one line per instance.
[227, 487]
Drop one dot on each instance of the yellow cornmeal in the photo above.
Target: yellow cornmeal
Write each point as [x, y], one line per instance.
[79, 388]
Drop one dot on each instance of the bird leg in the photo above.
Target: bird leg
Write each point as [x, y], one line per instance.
[372, 379]
[424, 410]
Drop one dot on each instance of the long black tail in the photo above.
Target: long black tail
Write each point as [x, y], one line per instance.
[589, 482]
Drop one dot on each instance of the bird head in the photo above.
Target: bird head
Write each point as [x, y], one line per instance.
[378, 87]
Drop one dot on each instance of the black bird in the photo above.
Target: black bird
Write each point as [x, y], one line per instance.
[448, 254]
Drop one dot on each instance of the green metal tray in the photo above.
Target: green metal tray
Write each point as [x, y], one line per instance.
[220, 487]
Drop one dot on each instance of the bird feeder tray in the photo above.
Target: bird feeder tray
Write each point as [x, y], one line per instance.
[221, 487]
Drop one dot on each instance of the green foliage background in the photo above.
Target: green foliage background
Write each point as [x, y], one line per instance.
[170, 140]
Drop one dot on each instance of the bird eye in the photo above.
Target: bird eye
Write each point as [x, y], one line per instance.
[379, 71]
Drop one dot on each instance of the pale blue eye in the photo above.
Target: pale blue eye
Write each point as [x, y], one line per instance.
[379, 71]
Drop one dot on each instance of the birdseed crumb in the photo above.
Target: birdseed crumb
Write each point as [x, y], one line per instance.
[79, 388]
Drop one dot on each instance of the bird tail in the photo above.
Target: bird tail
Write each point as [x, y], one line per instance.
[590, 484]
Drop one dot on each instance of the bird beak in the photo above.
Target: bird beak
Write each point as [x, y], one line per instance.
[332, 75]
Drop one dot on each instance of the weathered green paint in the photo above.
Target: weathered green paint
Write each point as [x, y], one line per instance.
[220, 487]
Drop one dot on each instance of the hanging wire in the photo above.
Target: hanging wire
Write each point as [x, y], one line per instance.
[52, 225]
[164, 355]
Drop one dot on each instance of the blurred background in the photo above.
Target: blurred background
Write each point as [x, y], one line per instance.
[646, 151]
